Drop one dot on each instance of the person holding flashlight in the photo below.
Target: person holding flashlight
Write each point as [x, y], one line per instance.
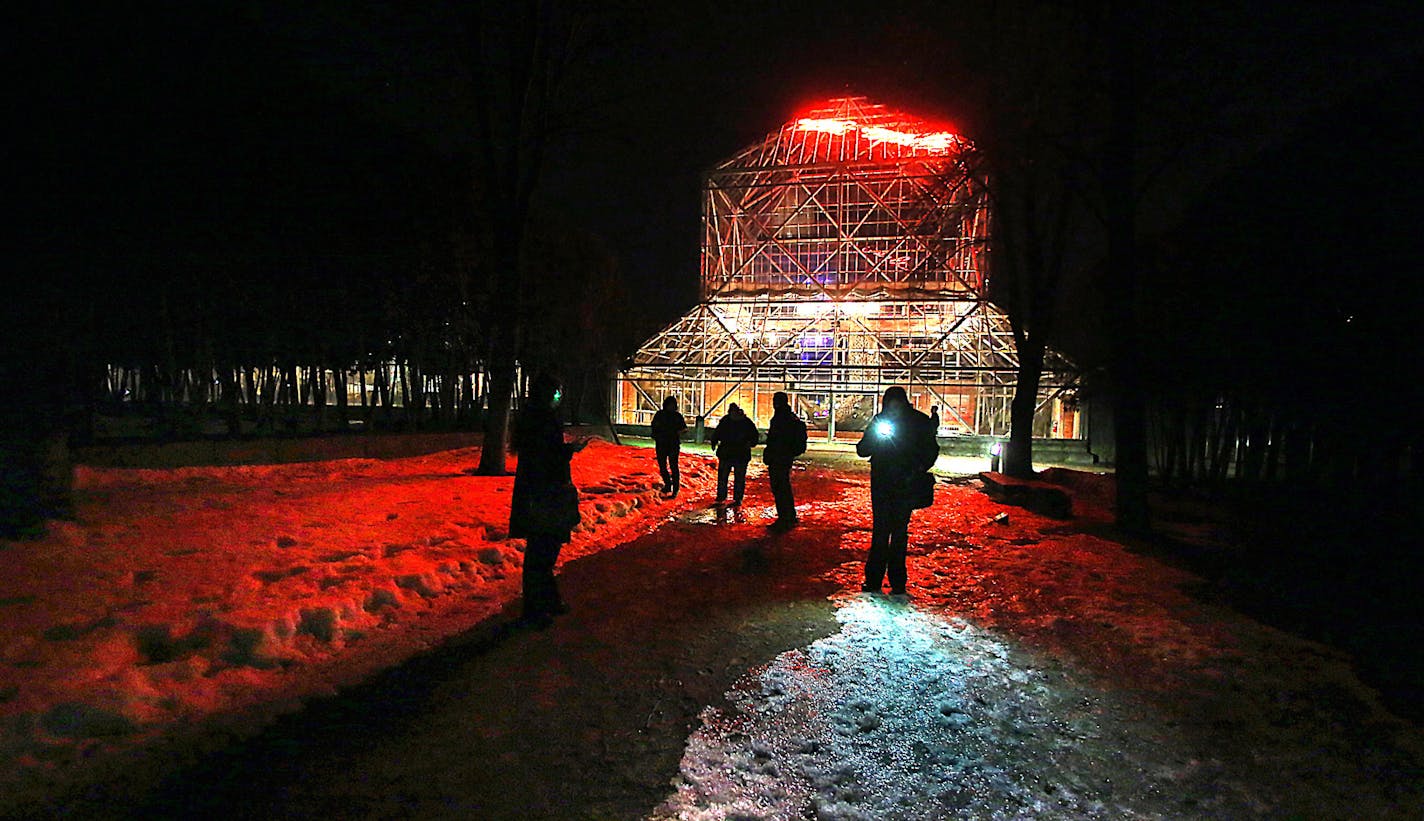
[900, 442]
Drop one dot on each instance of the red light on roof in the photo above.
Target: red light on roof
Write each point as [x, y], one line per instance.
[934, 142]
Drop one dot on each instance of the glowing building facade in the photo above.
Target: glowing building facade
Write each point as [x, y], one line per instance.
[843, 254]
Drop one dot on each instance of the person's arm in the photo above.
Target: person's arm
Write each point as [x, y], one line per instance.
[775, 436]
[866, 445]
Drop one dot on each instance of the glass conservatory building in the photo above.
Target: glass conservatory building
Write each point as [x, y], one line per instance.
[843, 254]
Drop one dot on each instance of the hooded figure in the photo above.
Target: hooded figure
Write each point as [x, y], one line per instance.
[785, 440]
[733, 438]
[901, 444]
[667, 429]
[544, 507]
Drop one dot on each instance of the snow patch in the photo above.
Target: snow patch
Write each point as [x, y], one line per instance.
[181, 593]
[905, 714]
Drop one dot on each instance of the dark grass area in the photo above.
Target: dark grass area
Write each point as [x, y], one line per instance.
[1339, 566]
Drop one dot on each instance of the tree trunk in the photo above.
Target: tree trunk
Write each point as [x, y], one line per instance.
[468, 400]
[1130, 412]
[340, 378]
[495, 448]
[382, 408]
[365, 397]
[1018, 461]
[318, 376]
[448, 393]
[231, 410]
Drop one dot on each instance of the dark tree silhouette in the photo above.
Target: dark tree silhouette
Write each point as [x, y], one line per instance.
[517, 56]
[1126, 113]
[1035, 101]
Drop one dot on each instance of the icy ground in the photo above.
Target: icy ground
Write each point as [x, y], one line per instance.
[906, 714]
[1038, 670]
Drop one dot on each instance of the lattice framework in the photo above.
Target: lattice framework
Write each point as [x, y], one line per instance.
[843, 254]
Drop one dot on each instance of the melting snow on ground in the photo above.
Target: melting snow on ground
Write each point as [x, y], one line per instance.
[179, 596]
[1039, 671]
[908, 714]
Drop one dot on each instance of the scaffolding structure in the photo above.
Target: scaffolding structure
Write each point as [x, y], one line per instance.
[843, 254]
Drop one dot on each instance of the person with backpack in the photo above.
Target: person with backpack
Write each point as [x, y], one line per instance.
[902, 447]
[785, 440]
[667, 429]
[733, 439]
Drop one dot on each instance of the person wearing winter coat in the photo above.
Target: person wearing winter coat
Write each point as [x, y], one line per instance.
[667, 429]
[733, 439]
[544, 507]
[785, 440]
[901, 444]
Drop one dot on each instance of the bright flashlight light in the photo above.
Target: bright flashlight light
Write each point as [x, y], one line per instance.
[996, 448]
[884, 428]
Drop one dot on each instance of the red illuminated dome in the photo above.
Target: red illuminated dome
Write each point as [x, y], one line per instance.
[847, 129]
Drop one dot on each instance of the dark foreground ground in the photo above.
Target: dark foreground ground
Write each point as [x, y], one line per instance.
[1107, 682]
[1342, 568]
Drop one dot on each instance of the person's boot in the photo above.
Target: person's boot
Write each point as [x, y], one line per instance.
[534, 617]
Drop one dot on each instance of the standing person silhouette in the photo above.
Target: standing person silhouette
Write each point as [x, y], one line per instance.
[733, 438]
[901, 444]
[785, 440]
[544, 507]
[667, 429]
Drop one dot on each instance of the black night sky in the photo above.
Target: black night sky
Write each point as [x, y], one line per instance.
[315, 147]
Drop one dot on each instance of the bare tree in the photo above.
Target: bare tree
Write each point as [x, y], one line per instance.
[517, 55]
[1036, 91]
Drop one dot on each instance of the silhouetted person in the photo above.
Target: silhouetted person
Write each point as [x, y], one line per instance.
[901, 444]
[544, 507]
[667, 429]
[785, 440]
[733, 438]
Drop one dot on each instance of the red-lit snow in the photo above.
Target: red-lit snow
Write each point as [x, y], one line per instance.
[1039, 671]
[180, 594]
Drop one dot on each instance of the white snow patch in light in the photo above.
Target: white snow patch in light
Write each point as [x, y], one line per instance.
[904, 714]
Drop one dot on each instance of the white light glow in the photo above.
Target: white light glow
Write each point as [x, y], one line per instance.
[935, 142]
[859, 308]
